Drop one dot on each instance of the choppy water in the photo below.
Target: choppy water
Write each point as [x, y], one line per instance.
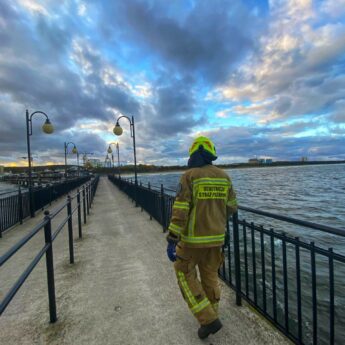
[7, 189]
[311, 193]
[314, 193]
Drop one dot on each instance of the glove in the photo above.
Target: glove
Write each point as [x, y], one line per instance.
[171, 251]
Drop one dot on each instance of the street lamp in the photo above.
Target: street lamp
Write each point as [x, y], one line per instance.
[118, 155]
[46, 128]
[74, 151]
[118, 131]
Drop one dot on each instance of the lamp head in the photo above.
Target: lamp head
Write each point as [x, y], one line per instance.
[117, 129]
[47, 127]
[109, 149]
[74, 150]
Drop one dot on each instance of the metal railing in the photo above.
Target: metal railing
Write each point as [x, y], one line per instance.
[84, 198]
[294, 283]
[15, 205]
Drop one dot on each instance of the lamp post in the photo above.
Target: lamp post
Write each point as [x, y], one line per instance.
[107, 159]
[118, 155]
[74, 151]
[78, 163]
[46, 128]
[118, 131]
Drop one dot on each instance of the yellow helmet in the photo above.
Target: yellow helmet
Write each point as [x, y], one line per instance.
[206, 143]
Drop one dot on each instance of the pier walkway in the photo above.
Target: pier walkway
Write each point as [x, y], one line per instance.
[121, 290]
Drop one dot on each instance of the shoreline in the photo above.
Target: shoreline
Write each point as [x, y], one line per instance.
[149, 169]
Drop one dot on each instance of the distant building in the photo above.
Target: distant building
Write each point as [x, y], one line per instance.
[260, 161]
[304, 159]
[2, 169]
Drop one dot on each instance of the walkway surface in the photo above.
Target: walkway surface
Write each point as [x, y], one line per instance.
[121, 290]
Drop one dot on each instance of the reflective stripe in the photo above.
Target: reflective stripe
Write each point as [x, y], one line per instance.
[203, 239]
[195, 307]
[181, 205]
[232, 202]
[175, 228]
[186, 289]
[202, 305]
[223, 182]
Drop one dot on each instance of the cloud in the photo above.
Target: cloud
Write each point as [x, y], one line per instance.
[299, 69]
[49, 76]
[338, 115]
[207, 41]
[178, 68]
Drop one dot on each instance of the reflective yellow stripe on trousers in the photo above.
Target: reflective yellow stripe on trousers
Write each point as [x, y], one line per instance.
[195, 306]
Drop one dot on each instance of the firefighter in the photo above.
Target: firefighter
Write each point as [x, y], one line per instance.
[205, 198]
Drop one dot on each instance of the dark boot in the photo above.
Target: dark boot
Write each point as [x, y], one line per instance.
[212, 328]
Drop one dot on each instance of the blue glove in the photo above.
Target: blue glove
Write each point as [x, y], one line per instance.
[171, 251]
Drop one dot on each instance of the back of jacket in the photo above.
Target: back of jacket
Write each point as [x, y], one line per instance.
[204, 200]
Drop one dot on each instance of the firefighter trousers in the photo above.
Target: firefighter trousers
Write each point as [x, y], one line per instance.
[202, 296]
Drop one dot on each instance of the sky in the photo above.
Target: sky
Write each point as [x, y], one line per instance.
[260, 78]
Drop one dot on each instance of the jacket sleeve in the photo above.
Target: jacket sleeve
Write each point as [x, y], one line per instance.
[231, 204]
[181, 207]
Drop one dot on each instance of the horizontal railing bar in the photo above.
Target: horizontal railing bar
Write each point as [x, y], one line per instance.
[22, 279]
[325, 228]
[57, 211]
[146, 188]
[46, 222]
[158, 187]
[14, 192]
[59, 228]
[74, 195]
[293, 241]
[21, 243]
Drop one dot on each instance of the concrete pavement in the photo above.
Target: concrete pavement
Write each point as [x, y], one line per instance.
[121, 290]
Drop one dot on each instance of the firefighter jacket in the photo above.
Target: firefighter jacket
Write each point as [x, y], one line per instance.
[204, 200]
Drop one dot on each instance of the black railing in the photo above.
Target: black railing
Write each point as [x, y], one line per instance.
[15, 205]
[84, 196]
[296, 284]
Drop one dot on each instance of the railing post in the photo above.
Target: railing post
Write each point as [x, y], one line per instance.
[141, 194]
[20, 205]
[50, 267]
[70, 229]
[79, 214]
[84, 204]
[237, 258]
[31, 202]
[149, 187]
[163, 208]
[50, 193]
[90, 190]
[87, 199]
[91, 193]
